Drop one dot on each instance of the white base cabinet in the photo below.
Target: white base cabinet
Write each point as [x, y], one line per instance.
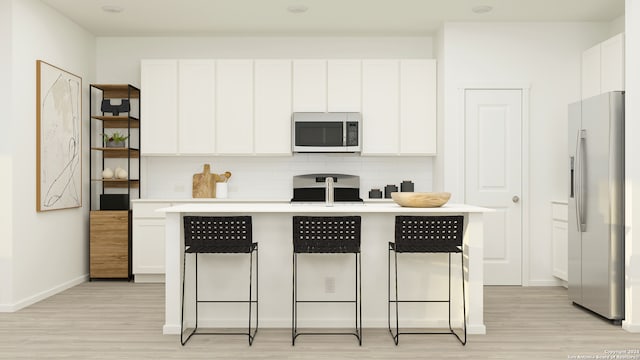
[148, 259]
[560, 240]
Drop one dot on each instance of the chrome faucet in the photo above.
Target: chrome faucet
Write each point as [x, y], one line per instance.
[328, 191]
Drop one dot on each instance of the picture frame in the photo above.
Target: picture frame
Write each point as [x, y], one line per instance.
[58, 138]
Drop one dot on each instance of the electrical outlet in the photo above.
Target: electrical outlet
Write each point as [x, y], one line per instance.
[330, 285]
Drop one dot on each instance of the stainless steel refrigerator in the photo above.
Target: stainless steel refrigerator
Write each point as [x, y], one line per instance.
[596, 204]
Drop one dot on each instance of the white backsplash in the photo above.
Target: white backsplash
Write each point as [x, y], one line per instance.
[258, 177]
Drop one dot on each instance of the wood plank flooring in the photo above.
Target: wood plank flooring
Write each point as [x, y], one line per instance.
[120, 320]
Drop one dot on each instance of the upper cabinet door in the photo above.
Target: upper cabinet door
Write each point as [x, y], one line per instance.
[159, 108]
[234, 107]
[418, 107]
[612, 64]
[196, 110]
[309, 85]
[380, 107]
[591, 72]
[272, 113]
[344, 83]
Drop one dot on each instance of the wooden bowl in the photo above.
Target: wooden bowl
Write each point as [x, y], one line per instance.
[420, 199]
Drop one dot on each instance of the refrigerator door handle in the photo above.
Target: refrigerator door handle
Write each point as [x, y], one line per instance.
[580, 201]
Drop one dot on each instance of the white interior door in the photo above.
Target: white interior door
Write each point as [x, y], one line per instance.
[493, 172]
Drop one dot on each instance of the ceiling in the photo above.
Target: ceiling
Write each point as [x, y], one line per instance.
[323, 17]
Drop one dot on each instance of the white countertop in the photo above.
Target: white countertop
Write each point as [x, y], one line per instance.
[320, 208]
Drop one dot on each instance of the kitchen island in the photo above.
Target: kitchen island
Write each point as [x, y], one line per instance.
[422, 276]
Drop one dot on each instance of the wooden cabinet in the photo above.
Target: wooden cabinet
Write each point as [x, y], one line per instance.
[109, 254]
[344, 85]
[603, 67]
[309, 85]
[160, 106]
[272, 107]
[560, 242]
[418, 107]
[380, 107]
[196, 107]
[234, 107]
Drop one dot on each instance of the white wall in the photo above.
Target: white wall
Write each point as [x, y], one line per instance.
[616, 26]
[118, 61]
[544, 56]
[632, 166]
[5, 154]
[50, 248]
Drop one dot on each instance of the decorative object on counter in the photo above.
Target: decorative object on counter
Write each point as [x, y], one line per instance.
[375, 194]
[421, 199]
[107, 173]
[388, 190]
[204, 184]
[222, 190]
[406, 186]
[115, 110]
[115, 139]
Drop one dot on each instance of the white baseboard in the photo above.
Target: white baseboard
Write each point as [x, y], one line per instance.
[629, 327]
[43, 295]
[149, 278]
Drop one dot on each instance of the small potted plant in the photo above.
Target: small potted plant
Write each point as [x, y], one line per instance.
[115, 139]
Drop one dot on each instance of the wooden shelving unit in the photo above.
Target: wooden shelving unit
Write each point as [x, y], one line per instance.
[110, 220]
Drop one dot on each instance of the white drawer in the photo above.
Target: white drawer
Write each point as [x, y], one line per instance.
[560, 211]
[148, 210]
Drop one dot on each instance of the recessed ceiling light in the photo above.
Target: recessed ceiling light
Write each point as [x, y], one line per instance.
[112, 9]
[297, 9]
[482, 9]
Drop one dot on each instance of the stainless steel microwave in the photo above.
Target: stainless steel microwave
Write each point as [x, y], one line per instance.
[326, 132]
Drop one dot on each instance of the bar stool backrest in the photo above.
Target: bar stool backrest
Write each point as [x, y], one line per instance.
[217, 234]
[326, 234]
[441, 234]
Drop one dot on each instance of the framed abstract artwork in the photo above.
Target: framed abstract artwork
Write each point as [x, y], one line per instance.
[58, 139]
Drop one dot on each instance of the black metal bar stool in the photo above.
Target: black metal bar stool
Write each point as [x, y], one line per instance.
[219, 235]
[427, 234]
[327, 235]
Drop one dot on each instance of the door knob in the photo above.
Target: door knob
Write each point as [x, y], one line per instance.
[515, 198]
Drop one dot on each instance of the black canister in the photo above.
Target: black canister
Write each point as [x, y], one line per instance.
[388, 190]
[406, 186]
[375, 194]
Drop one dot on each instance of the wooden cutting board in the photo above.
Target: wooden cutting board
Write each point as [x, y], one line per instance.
[204, 184]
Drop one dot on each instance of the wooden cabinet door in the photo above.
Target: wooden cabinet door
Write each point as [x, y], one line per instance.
[109, 244]
[380, 107]
[344, 85]
[159, 107]
[418, 107]
[197, 107]
[272, 111]
[309, 85]
[234, 107]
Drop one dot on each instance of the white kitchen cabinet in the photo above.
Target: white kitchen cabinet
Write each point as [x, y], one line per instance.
[344, 85]
[380, 107]
[612, 64]
[148, 257]
[418, 107]
[159, 107]
[310, 85]
[603, 67]
[196, 107]
[234, 107]
[272, 107]
[559, 236]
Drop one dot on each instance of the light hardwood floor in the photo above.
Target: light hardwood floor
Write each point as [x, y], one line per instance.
[119, 320]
